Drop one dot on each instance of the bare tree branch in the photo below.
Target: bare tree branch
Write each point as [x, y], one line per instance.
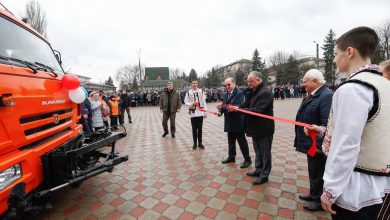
[36, 17]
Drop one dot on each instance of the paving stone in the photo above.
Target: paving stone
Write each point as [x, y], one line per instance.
[287, 203]
[170, 199]
[190, 195]
[289, 188]
[149, 203]
[247, 213]
[304, 216]
[217, 204]
[127, 207]
[272, 191]
[160, 178]
[225, 216]
[195, 208]
[268, 208]
[173, 212]
[236, 199]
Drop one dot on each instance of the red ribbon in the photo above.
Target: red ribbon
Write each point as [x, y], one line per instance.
[313, 148]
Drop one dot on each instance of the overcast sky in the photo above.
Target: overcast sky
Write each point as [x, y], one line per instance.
[98, 37]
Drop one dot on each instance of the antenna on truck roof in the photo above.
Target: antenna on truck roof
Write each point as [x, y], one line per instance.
[6, 9]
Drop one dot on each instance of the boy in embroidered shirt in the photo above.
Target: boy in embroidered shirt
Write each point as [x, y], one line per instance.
[353, 190]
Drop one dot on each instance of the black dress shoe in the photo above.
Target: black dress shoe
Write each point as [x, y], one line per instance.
[253, 174]
[201, 146]
[173, 135]
[229, 160]
[259, 180]
[165, 134]
[245, 164]
[194, 147]
[307, 197]
[314, 206]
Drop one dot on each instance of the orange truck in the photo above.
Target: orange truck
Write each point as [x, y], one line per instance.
[42, 147]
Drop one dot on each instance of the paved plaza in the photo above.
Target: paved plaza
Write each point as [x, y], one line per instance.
[165, 179]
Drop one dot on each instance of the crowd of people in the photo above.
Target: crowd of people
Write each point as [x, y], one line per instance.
[349, 173]
[349, 170]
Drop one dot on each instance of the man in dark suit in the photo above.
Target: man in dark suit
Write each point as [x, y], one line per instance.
[234, 123]
[313, 110]
[259, 100]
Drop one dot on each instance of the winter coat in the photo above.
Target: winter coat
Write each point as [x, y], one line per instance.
[261, 101]
[97, 119]
[234, 121]
[313, 110]
[175, 101]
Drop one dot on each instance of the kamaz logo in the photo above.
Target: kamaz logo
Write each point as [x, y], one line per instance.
[53, 102]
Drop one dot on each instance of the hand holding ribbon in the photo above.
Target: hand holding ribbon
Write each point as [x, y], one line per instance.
[313, 148]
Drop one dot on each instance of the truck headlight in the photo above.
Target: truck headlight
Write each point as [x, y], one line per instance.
[10, 175]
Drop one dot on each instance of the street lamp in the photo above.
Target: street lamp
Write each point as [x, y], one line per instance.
[318, 59]
[139, 65]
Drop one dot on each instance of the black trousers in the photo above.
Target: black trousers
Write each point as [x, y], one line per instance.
[122, 115]
[114, 122]
[263, 162]
[316, 168]
[366, 213]
[197, 124]
[171, 117]
[240, 137]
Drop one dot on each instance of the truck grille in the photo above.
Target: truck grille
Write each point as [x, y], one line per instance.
[45, 127]
[42, 122]
[44, 140]
[43, 116]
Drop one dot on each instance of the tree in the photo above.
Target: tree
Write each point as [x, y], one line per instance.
[240, 77]
[126, 74]
[290, 72]
[109, 81]
[257, 64]
[328, 47]
[174, 73]
[379, 55]
[134, 85]
[384, 39]
[192, 76]
[36, 17]
[278, 62]
[212, 79]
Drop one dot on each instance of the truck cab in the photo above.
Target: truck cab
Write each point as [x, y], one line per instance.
[39, 133]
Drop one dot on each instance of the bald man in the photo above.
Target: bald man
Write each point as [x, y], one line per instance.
[259, 100]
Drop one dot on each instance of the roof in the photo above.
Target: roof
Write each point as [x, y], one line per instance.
[156, 83]
[155, 73]
[238, 61]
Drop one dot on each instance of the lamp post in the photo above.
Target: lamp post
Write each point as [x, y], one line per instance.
[139, 65]
[318, 59]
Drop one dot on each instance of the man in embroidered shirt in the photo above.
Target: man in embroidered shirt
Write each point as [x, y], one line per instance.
[195, 99]
[357, 123]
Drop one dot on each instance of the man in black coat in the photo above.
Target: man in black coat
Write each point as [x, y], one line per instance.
[313, 110]
[234, 123]
[124, 105]
[259, 100]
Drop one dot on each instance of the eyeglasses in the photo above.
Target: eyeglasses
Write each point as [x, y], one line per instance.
[227, 84]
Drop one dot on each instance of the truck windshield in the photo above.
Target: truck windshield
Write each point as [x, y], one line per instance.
[17, 42]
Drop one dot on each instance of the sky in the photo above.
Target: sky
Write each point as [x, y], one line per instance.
[98, 37]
